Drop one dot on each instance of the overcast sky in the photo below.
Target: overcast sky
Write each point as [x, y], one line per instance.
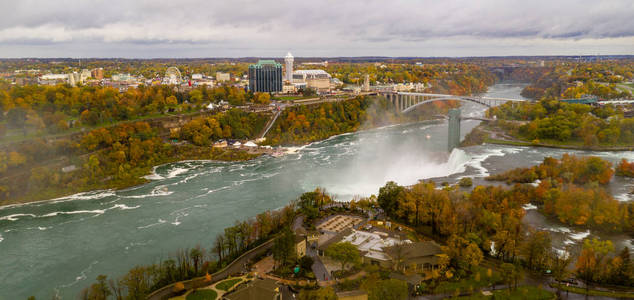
[238, 28]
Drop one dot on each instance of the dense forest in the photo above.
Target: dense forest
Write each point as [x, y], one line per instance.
[308, 123]
[38, 110]
[572, 189]
[116, 156]
[488, 222]
[572, 80]
[555, 121]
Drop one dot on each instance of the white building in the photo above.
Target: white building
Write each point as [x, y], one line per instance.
[289, 67]
[53, 79]
[220, 76]
[84, 75]
[315, 79]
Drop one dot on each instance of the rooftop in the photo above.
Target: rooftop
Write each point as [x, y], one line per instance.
[266, 62]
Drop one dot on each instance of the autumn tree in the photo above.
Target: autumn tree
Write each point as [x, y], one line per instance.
[389, 289]
[592, 258]
[535, 249]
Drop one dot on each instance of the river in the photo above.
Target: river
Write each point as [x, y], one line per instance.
[60, 246]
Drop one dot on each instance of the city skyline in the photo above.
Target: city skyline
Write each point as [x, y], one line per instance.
[192, 29]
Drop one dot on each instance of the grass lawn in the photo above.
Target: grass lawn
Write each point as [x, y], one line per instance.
[202, 295]
[579, 290]
[227, 284]
[478, 279]
[522, 292]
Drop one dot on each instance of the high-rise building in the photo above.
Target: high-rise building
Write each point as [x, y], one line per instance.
[265, 76]
[366, 83]
[289, 67]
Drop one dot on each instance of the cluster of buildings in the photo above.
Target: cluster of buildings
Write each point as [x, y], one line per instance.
[123, 81]
[378, 244]
[71, 78]
[271, 77]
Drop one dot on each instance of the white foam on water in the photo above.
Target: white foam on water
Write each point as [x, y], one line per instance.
[569, 242]
[478, 159]
[563, 254]
[1, 238]
[181, 213]
[44, 228]
[624, 197]
[74, 212]
[15, 217]
[125, 207]
[156, 192]
[529, 206]
[579, 235]
[536, 183]
[153, 176]
[363, 179]
[559, 229]
[82, 275]
[176, 171]
[100, 194]
[492, 251]
[160, 221]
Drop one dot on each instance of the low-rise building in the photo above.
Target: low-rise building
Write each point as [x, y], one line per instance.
[53, 79]
[420, 257]
[222, 77]
[388, 249]
[314, 79]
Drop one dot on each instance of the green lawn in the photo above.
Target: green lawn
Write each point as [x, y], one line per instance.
[227, 284]
[579, 290]
[522, 292]
[202, 295]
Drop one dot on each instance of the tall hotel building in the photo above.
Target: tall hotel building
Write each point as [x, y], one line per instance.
[265, 76]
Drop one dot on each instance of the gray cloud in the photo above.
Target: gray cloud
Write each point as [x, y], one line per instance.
[353, 27]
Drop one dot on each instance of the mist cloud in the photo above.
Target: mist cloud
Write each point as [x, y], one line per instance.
[314, 28]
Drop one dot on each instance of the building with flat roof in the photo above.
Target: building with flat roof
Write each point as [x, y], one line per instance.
[314, 79]
[221, 77]
[97, 73]
[53, 79]
[265, 76]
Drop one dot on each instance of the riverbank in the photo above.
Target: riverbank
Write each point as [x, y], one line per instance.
[492, 134]
[183, 152]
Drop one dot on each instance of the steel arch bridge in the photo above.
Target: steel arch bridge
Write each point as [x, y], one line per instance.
[405, 102]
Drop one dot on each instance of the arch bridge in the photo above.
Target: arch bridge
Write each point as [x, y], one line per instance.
[405, 102]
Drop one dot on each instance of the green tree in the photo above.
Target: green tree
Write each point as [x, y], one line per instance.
[343, 252]
[388, 197]
[390, 289]
[326, 293]
[284, 247]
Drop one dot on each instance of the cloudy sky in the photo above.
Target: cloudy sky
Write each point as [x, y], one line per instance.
[238, 28]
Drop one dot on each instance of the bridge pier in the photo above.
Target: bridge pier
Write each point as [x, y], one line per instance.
[453, 135]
